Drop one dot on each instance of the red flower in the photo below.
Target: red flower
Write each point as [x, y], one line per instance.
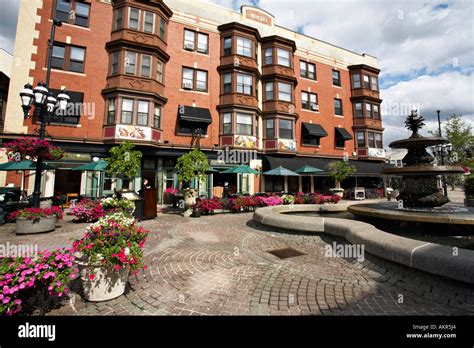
[91, 276]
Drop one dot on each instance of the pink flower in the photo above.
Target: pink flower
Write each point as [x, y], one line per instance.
[6, 300]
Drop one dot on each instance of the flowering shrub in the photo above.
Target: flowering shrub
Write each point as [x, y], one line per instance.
[208, 206]
[113, 241]
[35, 214]
[87, 210]
[23, 279]
[330, 199]
[170, 196]
[32, 148]
[288, 199]
[111, 205]
[272, 200]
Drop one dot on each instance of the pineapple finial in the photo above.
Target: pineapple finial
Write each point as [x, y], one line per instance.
[414, 122]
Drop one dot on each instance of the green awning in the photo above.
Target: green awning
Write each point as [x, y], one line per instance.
[24, 165]
[240, 169]
[308, 170]
[281, 171]
[93, 166]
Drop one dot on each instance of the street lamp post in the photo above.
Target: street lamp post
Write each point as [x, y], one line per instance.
[45, 104]
[442, 151]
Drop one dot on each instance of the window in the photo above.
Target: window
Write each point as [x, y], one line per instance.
[285, 129]
[149, 19]
[268, 56]
[244, 47]
[189, 40]
[356, 81]
[127, 111]
[162, 28]
[133, 18]
[308, 70]
[57, 60]
[336, 78]
[118, 19]
[142, 115]
[244, 124]
[269, 91]
[201, 80]
[284, 91]
[111, 111]
[159, 71]
[376, 112]
[76, 58]
[227, 83]
[146, 66]
[227, 46]
[227, 123]
[157, 116]
[371, 139]
[68, 57]
[191, 75]
[309, 101]
[358, 110]
[203, 40]
[72, 12]
[244, 84]
[188, 78]
[366, 82]
[72, 114]
[378, 141]
[114, 63]
[360, 139]
[82, 14]
[368, 110]
[130, 63]
[374, 83]
[270, 128]
[309, 139]
[338, 106]
[283, 57]
[340, 142]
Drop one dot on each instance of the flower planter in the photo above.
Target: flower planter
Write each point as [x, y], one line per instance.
[101, 283]
[26, 226]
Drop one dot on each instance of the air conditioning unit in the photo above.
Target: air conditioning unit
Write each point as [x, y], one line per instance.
[189, 46]
[314, 107]
[187, 85]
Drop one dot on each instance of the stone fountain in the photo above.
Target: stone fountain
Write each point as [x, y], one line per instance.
[420, 201]
[420, 183]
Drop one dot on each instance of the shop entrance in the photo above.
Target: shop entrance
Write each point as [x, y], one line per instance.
[224, 183]
[67, 182]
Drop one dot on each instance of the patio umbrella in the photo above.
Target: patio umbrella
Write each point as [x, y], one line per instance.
[23, 166]
[308, 170]
[240, 169]
[98, 166]
[280, 171]
[95, 166]
[211, 170]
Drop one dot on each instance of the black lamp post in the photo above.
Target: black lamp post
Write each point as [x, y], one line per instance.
[45, 104]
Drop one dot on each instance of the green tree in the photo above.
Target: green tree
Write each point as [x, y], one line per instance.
[124, 161]
[340, 170]
[459, 133]
[192, 164]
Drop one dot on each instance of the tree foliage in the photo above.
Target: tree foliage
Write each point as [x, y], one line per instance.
[459, 133]
[124, 161]
[192, 164]
[340, 170]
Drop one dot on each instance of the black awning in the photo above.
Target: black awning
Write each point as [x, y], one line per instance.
[314, 129]
[194, 114]
[343, 133]
[364, 168]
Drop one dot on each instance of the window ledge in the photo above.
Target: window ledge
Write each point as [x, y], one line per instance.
[193, 91]
[189, 51]
[73, 25]
[340, 116]
[307, 79]
[190, 135]
[309, 145]
[307, 110]
[66, 72]
[337, 86]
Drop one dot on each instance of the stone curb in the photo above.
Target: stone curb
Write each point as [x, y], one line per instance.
[429, 257]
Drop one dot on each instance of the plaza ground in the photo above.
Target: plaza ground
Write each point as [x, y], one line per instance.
[221, 265]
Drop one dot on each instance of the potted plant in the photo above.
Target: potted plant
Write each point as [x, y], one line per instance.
[191, 165]
[469, 191]
[86, 210]
[36, 220]
[339, 171]
[110, 250]
[123, 161]
[32, 148]
[115, 205]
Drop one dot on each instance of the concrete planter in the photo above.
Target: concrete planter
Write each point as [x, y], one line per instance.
[337, 191]
[25, 226]
[107, 284]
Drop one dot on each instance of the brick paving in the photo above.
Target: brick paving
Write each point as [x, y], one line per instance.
[220, 265]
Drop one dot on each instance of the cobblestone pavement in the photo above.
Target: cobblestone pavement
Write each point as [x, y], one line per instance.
[220, 265]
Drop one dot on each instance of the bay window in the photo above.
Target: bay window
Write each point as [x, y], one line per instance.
[376, 111]
[227, 83]
[130, 63]
[227, 46]
[270, 128]
[358, 110]
[159, 71]
[283, 57]
[371, 139]
[114, 63]
[127, 111]
[142, 114]
[111, 111]
[133, 18]
[378, 140]
[157, 116]
[284, 91]
[360, 139]
[148, 22]
[269, 91]
[244, 84]
[366, 82]
[227, 123]
[285, 129]
[368, 110]
[244, 47]
[146, 66]
[244, 124]
[356, 81]
[268, 56]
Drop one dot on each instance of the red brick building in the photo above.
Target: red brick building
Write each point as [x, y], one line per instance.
[167, 75]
